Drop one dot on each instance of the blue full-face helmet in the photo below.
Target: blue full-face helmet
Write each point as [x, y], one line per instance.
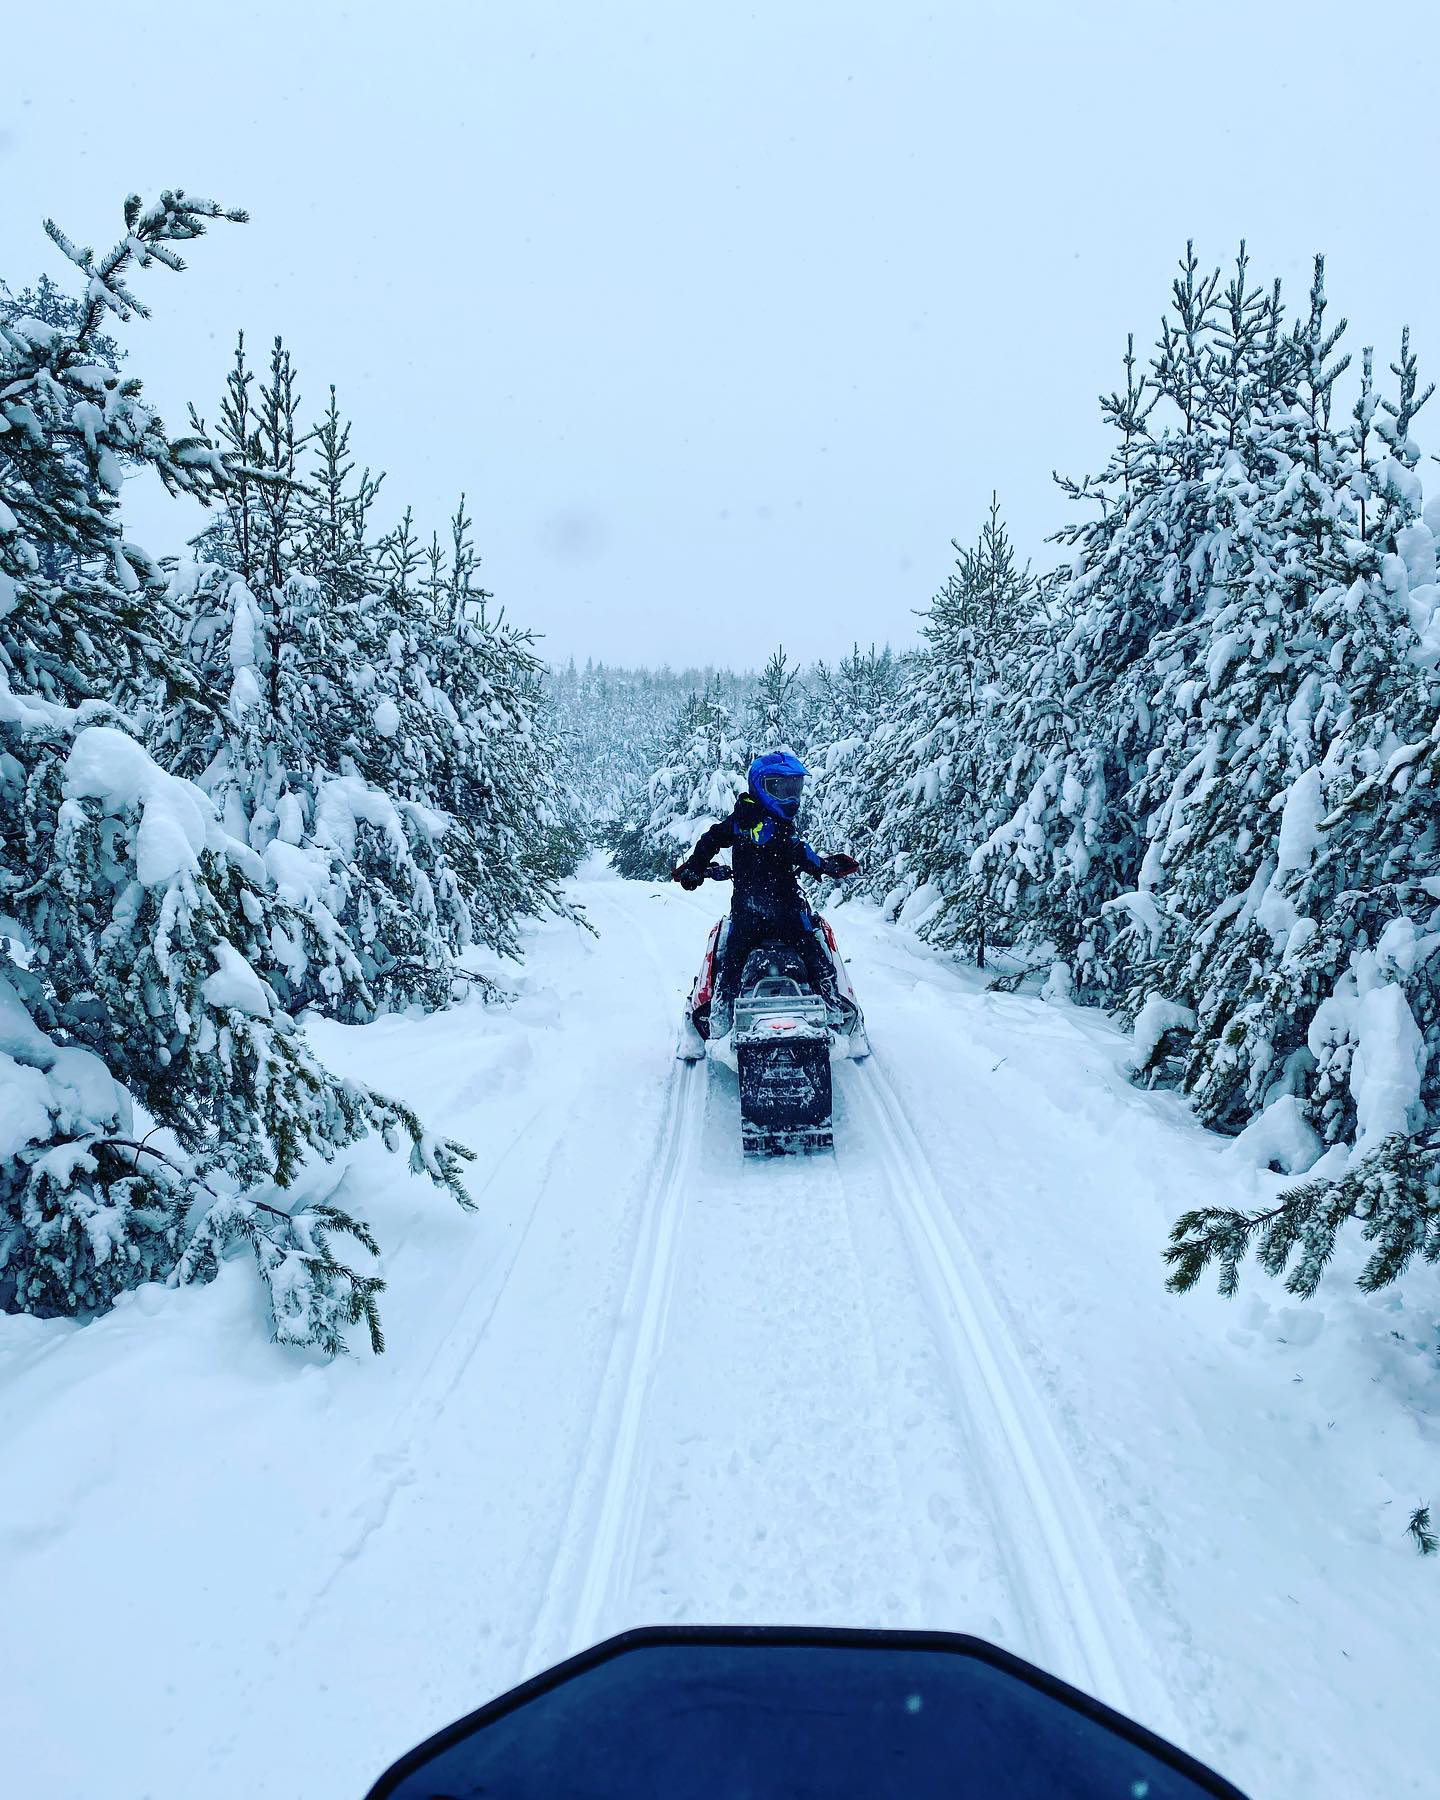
[777, 781]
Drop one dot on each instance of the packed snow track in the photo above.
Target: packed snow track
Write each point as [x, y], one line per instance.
[930, 1379]
[592, 1574]
[1075, 1612]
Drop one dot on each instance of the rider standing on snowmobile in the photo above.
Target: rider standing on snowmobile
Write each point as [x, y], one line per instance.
[766, 855]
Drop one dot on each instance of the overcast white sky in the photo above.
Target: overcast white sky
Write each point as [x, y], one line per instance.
[727, 318]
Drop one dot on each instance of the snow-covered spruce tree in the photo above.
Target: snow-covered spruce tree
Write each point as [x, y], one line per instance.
[600, 744]
[702, 769]
[1063, 869]
[778, 716]
[1314, 673]
[374, 744]
[130, 1005]
[564, 829]
[942, 769]
[1082, 726]
[1251, 642]
[855, 711]
[477, 717]
[1372, 1044]
[292, 624]
[857, 693]
[380, 749]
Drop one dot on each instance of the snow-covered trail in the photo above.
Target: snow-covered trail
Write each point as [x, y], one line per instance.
[838, 1384]
[933, 1379]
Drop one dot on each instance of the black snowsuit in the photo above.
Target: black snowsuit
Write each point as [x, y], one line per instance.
[766, 855]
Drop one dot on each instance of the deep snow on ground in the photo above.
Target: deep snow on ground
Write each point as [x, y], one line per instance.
[934, 1380]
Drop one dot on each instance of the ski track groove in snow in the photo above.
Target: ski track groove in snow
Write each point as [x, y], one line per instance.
[470, 1309]
[773, 1491]
[596, 1556]
[1035, 1488]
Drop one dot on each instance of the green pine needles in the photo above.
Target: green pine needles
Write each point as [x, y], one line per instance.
[1393, 1192]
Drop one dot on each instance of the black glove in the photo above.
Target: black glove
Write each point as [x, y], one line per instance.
[688, 876]
[838, 868]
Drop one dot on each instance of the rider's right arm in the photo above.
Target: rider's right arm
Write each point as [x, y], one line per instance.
[717, 838]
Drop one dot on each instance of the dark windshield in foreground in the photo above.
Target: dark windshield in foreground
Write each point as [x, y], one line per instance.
[730, 1715]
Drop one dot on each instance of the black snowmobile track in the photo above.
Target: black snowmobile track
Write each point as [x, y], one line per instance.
[785, 1097]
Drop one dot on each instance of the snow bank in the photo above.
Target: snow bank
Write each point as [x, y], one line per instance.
[919, 906]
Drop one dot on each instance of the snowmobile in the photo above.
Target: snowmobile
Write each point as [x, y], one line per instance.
[707, 1713]
[782, 1041]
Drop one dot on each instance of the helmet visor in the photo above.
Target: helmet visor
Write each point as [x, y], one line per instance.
[783, 787]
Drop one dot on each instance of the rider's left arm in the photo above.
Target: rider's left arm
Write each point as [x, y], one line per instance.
[807, 860]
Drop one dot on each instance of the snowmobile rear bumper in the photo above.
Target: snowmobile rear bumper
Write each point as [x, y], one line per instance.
[841, 1046]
